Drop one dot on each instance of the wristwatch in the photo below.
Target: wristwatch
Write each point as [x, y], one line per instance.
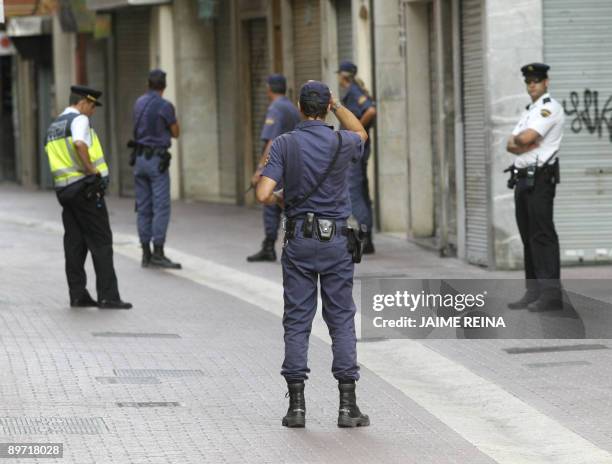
[336, 106]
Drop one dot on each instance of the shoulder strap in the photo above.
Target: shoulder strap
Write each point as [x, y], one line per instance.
[139, 118]
[293, 203]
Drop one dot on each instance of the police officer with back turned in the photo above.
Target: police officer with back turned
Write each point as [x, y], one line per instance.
[80, 175]
[534, 176]
[282, 116]
[357, 100]
[154, 126]
[312, 162]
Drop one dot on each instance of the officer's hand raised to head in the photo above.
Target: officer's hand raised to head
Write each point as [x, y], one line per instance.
[347, 119]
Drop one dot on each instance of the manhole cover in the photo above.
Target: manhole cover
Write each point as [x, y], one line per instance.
[158, 372]
[51, 425]
[135, 335]
[129, 380]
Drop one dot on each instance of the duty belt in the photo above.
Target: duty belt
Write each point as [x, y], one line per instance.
[320, 228]
[150, 152]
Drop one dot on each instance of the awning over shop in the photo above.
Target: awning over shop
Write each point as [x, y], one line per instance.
[97, 5]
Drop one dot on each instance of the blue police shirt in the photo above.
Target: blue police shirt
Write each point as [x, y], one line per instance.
[356, 101]
[317, 143]
[152, 128]
[282, 116]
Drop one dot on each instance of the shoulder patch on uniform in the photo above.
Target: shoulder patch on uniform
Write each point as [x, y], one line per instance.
[545, 113]
[362, 99]
[269, 121]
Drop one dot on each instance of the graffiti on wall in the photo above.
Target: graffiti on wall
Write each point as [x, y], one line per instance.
[588, 113]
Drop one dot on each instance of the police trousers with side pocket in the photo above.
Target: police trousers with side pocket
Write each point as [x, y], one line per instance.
[306, 262]
[152, 190]
[87, 228]
[534, 217]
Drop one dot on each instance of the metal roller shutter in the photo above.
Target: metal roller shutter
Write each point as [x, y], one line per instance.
[344, 28]
[259, 68]
[132, 67]
[476, 180]
[577, 37]
[307, 41]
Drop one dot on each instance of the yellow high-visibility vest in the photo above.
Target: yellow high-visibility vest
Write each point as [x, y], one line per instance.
[66, 166]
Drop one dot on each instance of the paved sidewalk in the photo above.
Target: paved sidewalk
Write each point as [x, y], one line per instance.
[208, 341]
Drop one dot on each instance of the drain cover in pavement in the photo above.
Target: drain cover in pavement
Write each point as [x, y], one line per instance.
[549, 349]
[50, 425]
[148, 404]
[134, 335]
[558, 364]
[129, 380]
[158, 372]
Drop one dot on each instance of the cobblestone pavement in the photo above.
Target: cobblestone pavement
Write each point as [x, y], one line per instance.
[191, 374]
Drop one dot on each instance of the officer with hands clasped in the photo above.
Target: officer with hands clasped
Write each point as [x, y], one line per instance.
[357, 100]
[155, 125]
[80, 176]
[312, 162]
[282, 116]
[534, 176]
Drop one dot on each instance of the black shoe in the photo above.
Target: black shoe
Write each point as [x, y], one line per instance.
[545, 305]
[85, 301]
[159, 259]
[368, 245]
[267, 252]
[146, 255]
[114, 304]
[528, 297]
[296, 414]
[349, 414]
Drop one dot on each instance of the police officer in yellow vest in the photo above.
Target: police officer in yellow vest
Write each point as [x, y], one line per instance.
[80, 175]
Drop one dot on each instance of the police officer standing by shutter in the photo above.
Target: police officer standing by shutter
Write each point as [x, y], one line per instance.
[312, 161]
[80, 175]
[357, 100]
[154, 126]
[535, 141]
[282, 116]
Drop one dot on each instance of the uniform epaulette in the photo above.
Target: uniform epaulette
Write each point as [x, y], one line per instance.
[546, 100]
[527, 107]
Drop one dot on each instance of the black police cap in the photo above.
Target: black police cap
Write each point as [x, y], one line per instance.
[535, 70]
[317, 91]
[87, 92]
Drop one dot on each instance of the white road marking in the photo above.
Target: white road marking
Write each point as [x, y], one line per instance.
[499, 424]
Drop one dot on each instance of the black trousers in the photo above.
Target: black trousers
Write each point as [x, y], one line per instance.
[87, 228]
[534, 217]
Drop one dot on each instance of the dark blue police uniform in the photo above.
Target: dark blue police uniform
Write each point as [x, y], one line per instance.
[306, 261]
[357, 102]
[282, 116]
[153, 117]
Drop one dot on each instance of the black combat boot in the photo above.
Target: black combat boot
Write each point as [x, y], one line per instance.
[349, 414]
[267, 252]
[296, 414]
[159, 259]
[368, 245]
[146, 255]
[530, 296]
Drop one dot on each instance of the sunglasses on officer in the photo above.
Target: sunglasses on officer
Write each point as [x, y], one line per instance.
[533, 80]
